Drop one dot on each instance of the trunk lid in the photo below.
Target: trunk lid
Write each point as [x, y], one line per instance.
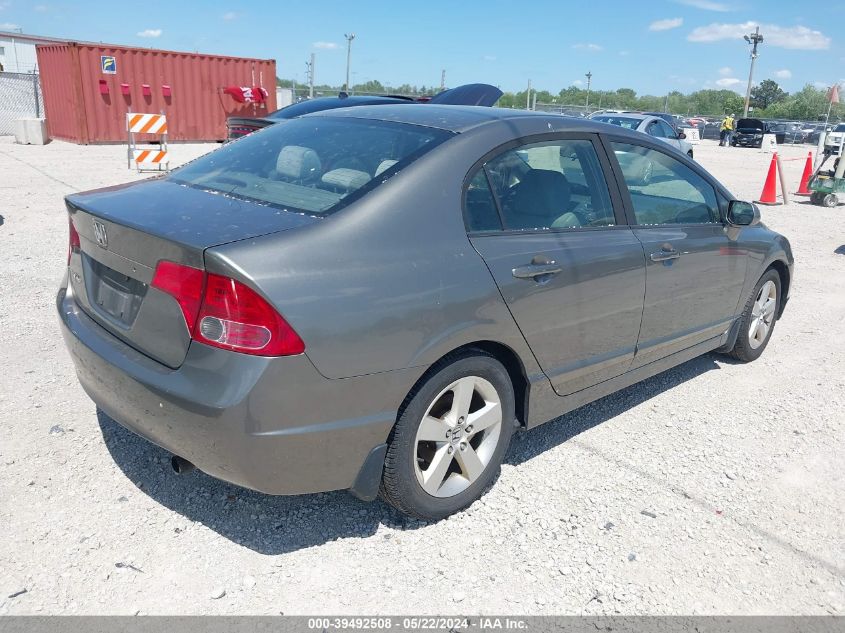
[125, 231]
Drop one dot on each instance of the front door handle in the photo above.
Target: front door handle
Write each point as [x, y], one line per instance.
[662, 256]
[532, 271]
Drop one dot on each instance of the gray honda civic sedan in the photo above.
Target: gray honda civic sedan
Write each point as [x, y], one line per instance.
[376, 298]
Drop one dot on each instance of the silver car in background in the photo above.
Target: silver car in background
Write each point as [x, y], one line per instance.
[648, 124]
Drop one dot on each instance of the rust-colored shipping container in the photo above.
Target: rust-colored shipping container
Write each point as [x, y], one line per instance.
[89, 88]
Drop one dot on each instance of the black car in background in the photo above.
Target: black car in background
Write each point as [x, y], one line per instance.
[749, 133]
[468, 94]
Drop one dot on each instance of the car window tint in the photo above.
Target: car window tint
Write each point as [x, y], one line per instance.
[314, 164]
[481, 213]
[556, 184]
[663, 189]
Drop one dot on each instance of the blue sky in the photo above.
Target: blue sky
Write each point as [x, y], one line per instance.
[652, 47]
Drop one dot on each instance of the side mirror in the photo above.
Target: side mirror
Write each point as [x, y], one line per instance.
[682, 135]
[743, 213]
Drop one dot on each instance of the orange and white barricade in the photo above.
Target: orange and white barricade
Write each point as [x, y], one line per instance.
[153, 157]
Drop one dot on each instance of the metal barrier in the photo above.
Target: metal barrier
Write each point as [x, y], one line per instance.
[20, 98]
[153, 157]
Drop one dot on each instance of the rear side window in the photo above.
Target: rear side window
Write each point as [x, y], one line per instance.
[481, 213]
[663, 189]
[550, 185]
[313, 165]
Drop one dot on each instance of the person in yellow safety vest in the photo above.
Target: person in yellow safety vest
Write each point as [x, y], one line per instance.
[726, 131]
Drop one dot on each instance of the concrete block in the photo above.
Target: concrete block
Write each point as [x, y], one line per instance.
[31, 131]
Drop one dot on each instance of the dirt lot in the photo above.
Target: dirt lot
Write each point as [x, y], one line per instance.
[712, 488]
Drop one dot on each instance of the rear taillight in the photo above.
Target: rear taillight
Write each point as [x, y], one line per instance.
[184, 284]
[73, 240]
[225, 313]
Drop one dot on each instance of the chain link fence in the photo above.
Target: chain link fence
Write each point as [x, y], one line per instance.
[20, 98]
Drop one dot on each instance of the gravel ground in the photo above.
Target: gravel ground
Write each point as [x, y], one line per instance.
[712, 488]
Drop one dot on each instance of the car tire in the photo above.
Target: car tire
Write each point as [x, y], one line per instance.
[830, 200]
[438, 461]
[758, 318]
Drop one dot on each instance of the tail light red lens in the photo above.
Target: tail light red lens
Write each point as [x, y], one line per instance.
[184, 284]
[225, 313]
[73, 240]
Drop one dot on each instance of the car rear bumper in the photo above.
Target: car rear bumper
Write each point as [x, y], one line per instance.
[270, 424]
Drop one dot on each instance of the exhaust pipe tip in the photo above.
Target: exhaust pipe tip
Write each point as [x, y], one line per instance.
[181, 466]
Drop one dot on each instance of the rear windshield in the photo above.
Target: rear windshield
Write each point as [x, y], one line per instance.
[621, 121]
[314, 165]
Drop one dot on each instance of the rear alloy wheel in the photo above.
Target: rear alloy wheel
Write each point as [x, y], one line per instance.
[758, 319]
[450, 439]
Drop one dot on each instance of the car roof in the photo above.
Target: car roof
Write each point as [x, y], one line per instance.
[455, 118]
[627, 115]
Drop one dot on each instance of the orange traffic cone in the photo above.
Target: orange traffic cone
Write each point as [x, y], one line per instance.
[805, 177]
[769, 195]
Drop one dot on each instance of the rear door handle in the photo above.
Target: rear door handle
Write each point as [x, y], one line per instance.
[662, 256]
[532, 271]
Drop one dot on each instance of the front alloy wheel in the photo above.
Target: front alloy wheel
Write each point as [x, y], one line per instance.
[763, 314]
[758, 318]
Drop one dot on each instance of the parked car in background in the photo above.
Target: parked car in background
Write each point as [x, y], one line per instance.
[792, 131]
[651, 125]
[833, 140]
[817, 131]
[374, 298]
[749, 133]
[468, 94]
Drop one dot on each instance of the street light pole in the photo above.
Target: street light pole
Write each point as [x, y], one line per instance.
[589, 77]
[754, 39]
[349, 39]
[310, 66]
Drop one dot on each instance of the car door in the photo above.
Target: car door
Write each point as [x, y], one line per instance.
[694, 270]
[544, 220]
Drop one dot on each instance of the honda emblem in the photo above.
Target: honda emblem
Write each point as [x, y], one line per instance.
[100, 234]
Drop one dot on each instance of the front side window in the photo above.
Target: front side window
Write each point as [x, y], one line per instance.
[663, 189]
[313, 165]
[666, 130]
[551, 185]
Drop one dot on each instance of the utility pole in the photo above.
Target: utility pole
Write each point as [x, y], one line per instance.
[442, 80]
[754, 39]
[310, 66]
[589, 77]
[349, 39]
[528, 96]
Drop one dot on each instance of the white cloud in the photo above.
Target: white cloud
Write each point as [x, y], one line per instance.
[665, 25]
[577, 82]
[624, 53]
[150, 33]
[783, 74]
[40, 8]
[792, 37]
[230, 15]
[489, 58]
[325, 45]
[821, 85]
[706, 5]
[727, 70]
[593, 48]
[8, 26]
[728, 82]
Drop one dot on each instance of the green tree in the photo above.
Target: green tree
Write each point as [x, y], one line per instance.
[766, 93]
